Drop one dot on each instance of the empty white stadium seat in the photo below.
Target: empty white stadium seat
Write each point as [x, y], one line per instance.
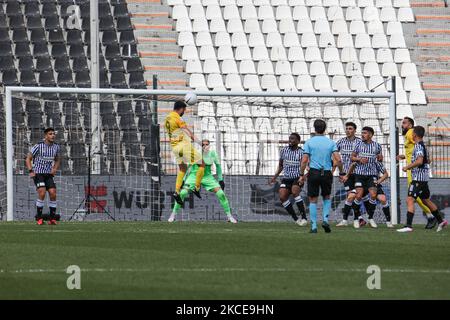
[294, 3]
[366, 55]
[286, 26]
[243, 53]
[200, 24]
[304, 83]
[189, 53]
[179, 11]
[371, 69]
[252, 25]
[251, 82]
[287, 82]
[300, 12]
[311, 3]
[273, 40]
[222, 39]
[402, 55]
[283, 67]
[248, 12]
[183, 24]
[353, 13]
[339, 83]
[277, 3]
[347, 3]
[263, 125]
[260, 53]
[269, 82]
[265, 12]
[401, 4]
[192, 2]
[265, 67]
[388, 14]
[215, 81]
[256, 40]
[335, 13]
[207, 52]
[348, 54]
[278, 53]
[233, 82]
[353, 69]
[375, 27]
[269, 25]
[412, 83]
[330, 3]
[299, 67]
[197, 81]
[322, 26]
[231, 12]
[291, 40]
[335, 68]
[234, 25]
[194, 66]
[203, 39]
[362, 40]
[389, 69]
[339, 26]
[397, 41]
[229, 66]
[357, 26]
[358, 84]
[247, 67]
[370, 14]
[322, 83]
[365, 3]
[379, 40]
[312, 54]
[225, 53]
[383, 3]
[308, 40]
[304, 26]
[299, 125]
[331, 54]
[317, 68]
[335, 126]
[238, 39]
[211, 66]
[401, 96]
[283, 12]
[405, 15]
[296, 54]
[186, 38]
[317, 13]
[376, 83]
[174, 2]
[197, 11]
[384, 55]
[344, 40]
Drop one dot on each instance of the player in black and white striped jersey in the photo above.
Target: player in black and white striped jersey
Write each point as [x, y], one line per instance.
[420, 170]
[345, 147]
[289, 164]
[366, 154]
[43, 162]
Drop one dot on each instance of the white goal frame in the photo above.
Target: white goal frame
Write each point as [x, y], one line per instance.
[10, 90]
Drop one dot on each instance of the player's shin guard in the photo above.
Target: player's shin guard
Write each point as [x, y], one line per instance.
[346, 210]
[409, 219]
[326, 209]
[39, 209]
[290, 209]
[52, 207]
[387, 211]
[179, 181]
[301, 206]
[224, 202]
[437, 215]
[183, 194]
[199, 177]
[313, 215]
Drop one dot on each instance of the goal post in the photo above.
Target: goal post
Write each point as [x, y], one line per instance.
[203, 96]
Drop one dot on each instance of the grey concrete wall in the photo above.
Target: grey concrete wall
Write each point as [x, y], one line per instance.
[140, 198]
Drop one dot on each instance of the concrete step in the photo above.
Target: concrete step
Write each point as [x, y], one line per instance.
[158, 47]
[154, 61]
[159, 19]
[163, 33]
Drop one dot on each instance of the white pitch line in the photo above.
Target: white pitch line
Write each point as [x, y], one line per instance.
[131, 270]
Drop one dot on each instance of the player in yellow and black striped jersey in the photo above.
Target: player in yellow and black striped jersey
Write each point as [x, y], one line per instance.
[181, 138]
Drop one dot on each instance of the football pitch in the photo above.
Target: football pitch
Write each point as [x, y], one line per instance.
[193, 260]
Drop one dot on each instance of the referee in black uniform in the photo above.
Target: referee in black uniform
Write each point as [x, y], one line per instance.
[43, 162]
[289, 164]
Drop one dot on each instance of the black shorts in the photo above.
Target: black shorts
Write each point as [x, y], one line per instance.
[287, 183]
[419, 189]
[349, 185]
[365, 182]
[319, 180]
[42, 180]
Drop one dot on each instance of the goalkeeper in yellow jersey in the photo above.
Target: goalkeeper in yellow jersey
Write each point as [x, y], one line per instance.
[407, 132]
[181, 139]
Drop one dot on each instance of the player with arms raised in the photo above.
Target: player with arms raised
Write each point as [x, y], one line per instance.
[420, 172]
[183, 149]
[289, 163]
[210, 157]
[42, 163]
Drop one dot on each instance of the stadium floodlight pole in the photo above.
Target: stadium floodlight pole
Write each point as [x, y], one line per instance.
[95, 83]
[9, 90]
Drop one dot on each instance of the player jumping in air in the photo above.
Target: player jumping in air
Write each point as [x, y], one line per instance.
[43, 162]
[366, 155]
[345, 147]
[420, 171]
[290, 159]
[183, 149]
[407, 131]
[208, 182]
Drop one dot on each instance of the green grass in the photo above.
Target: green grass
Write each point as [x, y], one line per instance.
[155, 260]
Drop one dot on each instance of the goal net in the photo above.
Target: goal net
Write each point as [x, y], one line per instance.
[133, 171]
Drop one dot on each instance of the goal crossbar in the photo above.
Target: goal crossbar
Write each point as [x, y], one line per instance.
[10, 90]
